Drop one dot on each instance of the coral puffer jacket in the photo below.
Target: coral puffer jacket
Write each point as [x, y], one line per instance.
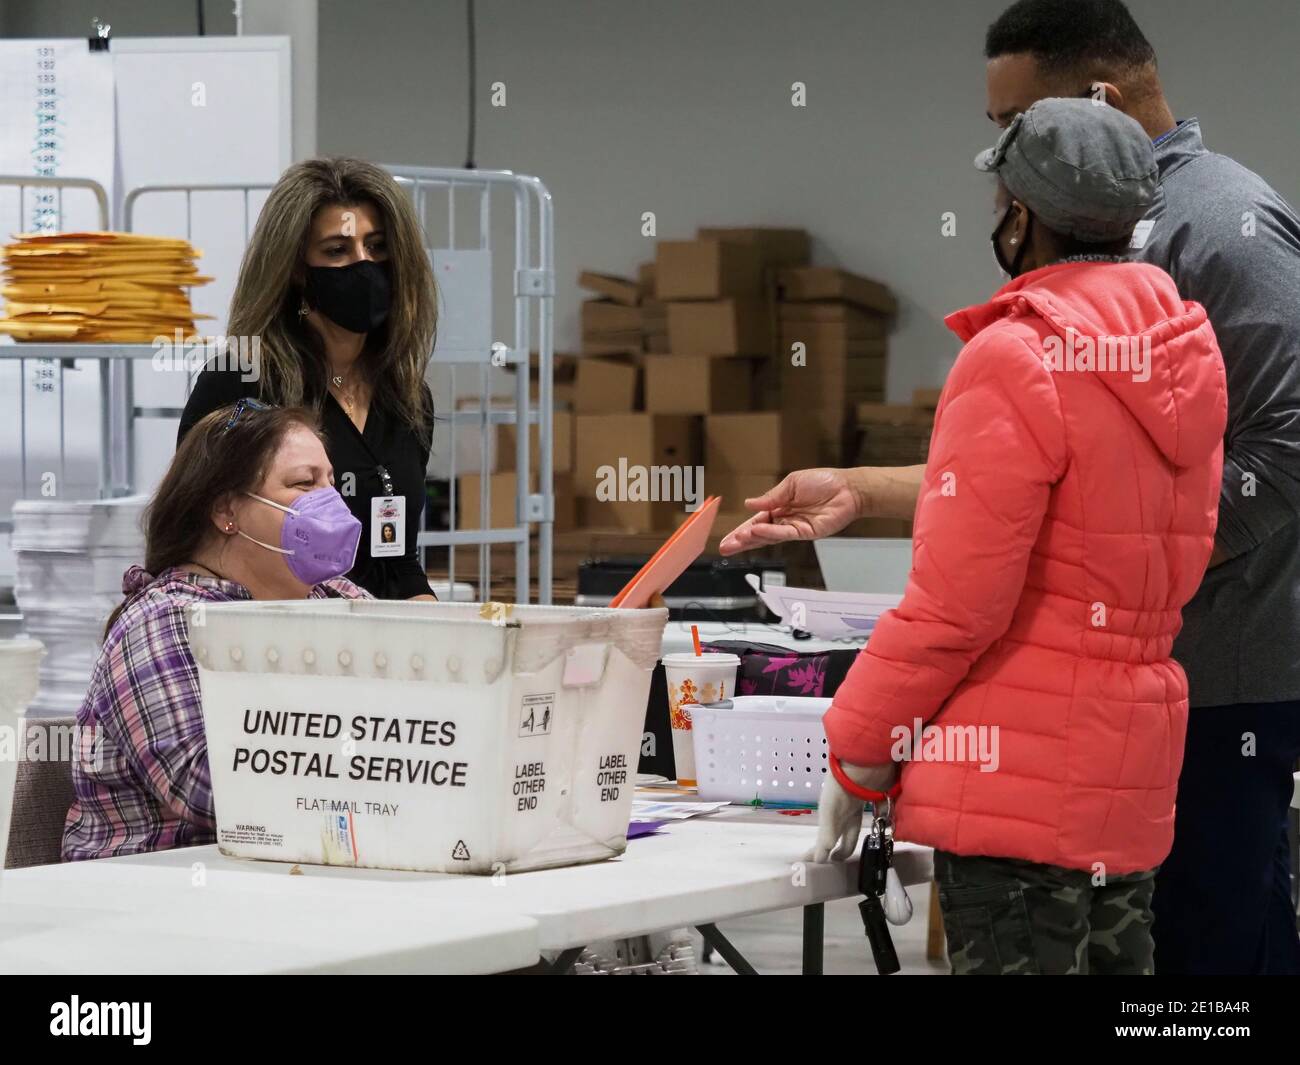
[1066, 516]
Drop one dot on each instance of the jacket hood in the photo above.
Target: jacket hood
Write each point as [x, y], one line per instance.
[1126, 324]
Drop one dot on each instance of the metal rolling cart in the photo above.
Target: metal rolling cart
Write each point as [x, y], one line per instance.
[463, 267]
[466, 281]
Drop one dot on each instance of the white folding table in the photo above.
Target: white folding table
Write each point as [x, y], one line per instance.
[116, 917]
[696, 872]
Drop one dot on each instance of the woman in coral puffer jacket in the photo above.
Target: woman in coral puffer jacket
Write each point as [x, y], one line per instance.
[1025, 683]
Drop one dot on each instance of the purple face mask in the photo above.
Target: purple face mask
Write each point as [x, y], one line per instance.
[319, 536]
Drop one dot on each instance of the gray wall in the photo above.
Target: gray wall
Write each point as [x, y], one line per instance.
[682, 107]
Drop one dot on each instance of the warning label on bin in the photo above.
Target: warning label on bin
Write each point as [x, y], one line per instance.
[254, 834]
[536, 713]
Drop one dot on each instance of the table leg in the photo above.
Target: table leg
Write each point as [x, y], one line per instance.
[814, 938]
[564, 962]
[934, 938]
[723, 946]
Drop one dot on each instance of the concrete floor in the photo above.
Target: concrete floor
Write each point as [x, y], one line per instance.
[772, 942]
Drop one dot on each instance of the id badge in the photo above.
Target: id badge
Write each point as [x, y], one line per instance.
[387, 526]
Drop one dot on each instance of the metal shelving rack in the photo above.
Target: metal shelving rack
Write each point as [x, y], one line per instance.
[532, 294]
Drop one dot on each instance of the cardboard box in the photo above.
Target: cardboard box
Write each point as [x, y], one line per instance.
[566, 503]
[658, 343]
[776, 247]
[562, 394]
[654, 316]
[623, 342]
[719, 327]
[604, 385]
[619, 289]
[645, 279]
[892, 414]
[828, 283]
[606, 316]
[621, 453]
[926, 398]
[561, 444]
[827, 343]
[698, 384]
[706, 270]
[723, 522]
[628, 517]
[832, 381]
[501, 502]
[735, 488]
[644, 440]
[770, 442]
[852, 322]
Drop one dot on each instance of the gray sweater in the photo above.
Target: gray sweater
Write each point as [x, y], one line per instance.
[1232, 244]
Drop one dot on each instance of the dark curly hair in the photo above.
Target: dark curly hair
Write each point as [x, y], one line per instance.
[1066, 35]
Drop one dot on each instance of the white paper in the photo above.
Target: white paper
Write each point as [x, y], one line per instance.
[830, 615]
[58, 120]
[652, 810]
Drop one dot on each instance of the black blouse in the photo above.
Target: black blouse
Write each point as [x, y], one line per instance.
[387, 442]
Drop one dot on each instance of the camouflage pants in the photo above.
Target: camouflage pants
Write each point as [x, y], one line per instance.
[1006, 917]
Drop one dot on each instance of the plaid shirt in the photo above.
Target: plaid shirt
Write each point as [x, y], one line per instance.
[151, 790]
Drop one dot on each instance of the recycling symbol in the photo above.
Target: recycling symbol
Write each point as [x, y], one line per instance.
[460, 852]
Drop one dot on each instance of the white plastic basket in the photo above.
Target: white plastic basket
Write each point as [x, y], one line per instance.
[517, 745]
[762, 747]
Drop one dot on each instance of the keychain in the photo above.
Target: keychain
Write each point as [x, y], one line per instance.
[874, 879]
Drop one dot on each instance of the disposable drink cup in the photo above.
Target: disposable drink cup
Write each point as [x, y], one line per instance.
[706, 678]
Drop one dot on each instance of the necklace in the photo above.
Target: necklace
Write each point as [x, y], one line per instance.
[345, 397]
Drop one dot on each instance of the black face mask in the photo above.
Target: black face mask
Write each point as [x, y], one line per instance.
[355, 297]
[1011, 269]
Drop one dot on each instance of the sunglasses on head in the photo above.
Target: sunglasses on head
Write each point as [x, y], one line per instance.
[242, 406]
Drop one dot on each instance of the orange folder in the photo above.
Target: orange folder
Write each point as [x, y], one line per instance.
[671, 560]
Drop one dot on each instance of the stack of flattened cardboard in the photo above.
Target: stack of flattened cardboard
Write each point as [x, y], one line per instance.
[124, 288]
[892, 434]
[896, 434]
[833, 330]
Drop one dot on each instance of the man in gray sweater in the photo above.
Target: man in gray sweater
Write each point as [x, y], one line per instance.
[1223, 898]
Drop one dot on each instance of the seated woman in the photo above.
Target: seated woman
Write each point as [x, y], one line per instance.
[247, 510]
[1066, 516]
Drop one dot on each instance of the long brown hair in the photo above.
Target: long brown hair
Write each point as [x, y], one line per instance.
[267, 294]
[215, 459]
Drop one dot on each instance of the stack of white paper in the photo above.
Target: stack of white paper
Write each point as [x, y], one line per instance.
[70, 560]
[830, 615]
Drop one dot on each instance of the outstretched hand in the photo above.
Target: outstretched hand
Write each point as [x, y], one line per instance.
[806, 505]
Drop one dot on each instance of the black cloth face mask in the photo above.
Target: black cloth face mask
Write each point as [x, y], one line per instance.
[1011, 269]
[355, 297]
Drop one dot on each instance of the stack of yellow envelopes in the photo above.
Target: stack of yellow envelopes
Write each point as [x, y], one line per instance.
[123, 288]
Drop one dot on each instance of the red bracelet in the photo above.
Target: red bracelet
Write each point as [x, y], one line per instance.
[857, 790]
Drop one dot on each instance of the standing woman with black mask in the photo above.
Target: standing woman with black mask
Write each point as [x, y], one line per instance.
[337, 302]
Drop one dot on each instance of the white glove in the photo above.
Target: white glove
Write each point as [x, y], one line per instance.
[839, 814]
